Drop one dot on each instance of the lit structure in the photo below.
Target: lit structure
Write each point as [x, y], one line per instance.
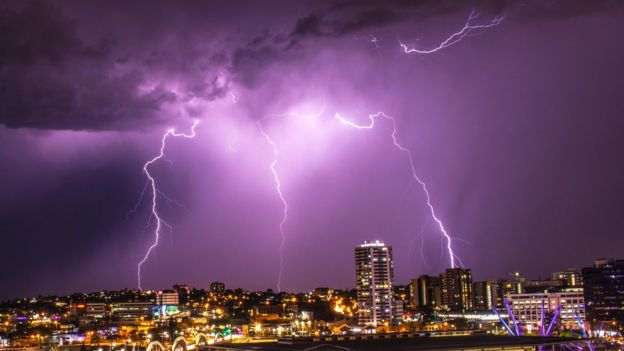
[456, 285]
[603, 286]
[528, 307]
[374, 273]
[570, 278]
[131, 312]
[485, 295]
[167, 297]
[426, 292]
[513, 322]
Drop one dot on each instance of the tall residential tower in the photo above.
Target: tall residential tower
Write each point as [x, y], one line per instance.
[374, 273]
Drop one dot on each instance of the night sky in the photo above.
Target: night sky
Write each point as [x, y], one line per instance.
[518, 131]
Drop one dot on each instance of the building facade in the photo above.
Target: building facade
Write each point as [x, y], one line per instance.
[603, 285]
[528, 307]
[374, 273]
[456, 284]
[167, 297]
[485, 295]
[426, 291]
[572, 278]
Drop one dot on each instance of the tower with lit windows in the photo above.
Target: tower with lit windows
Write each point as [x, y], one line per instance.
[374, 273]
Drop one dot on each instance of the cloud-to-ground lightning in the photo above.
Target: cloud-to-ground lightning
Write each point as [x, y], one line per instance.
[453, 39]
[457, 36]
[449, 240]
[155, 192]
[278, 189]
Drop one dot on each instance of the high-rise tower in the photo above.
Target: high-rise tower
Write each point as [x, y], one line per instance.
[374, 273]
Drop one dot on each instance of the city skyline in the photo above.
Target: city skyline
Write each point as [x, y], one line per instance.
[222, 285]
[582, 307]
[151, 143]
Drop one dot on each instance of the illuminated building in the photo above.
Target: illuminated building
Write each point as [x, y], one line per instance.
[538, 286]
[397, 311]
[485, 295]
[456, 284]
[167, 297]
[90, 309]
[425, 291]
[527, 307]
[571, 278]
[603, 285]
[374, 273]
[131, 311]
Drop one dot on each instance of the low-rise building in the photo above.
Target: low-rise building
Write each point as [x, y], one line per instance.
[527, 308]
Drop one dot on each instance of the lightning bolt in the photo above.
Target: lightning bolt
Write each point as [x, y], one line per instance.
[372, 118]
[278, 189]
[155, 192]
[457, 36]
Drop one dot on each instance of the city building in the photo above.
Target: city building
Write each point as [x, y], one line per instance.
[528, 307]
[374, 273]
[603, 285]
[167, 297]
[425, 291]
[131, 312]
[90, 312]
[456, 284]
[485, 295]
[572, 278]
[397, 311]
[539, 286]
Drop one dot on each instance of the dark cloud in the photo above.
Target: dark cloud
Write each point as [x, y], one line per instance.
[64, 74]
[348, 17]
[52, 40]
[53, 79]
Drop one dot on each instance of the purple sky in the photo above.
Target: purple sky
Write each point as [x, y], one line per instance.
[518, 131]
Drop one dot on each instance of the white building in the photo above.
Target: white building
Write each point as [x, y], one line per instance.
[167, 297]
[374, 273]
[528, 307]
